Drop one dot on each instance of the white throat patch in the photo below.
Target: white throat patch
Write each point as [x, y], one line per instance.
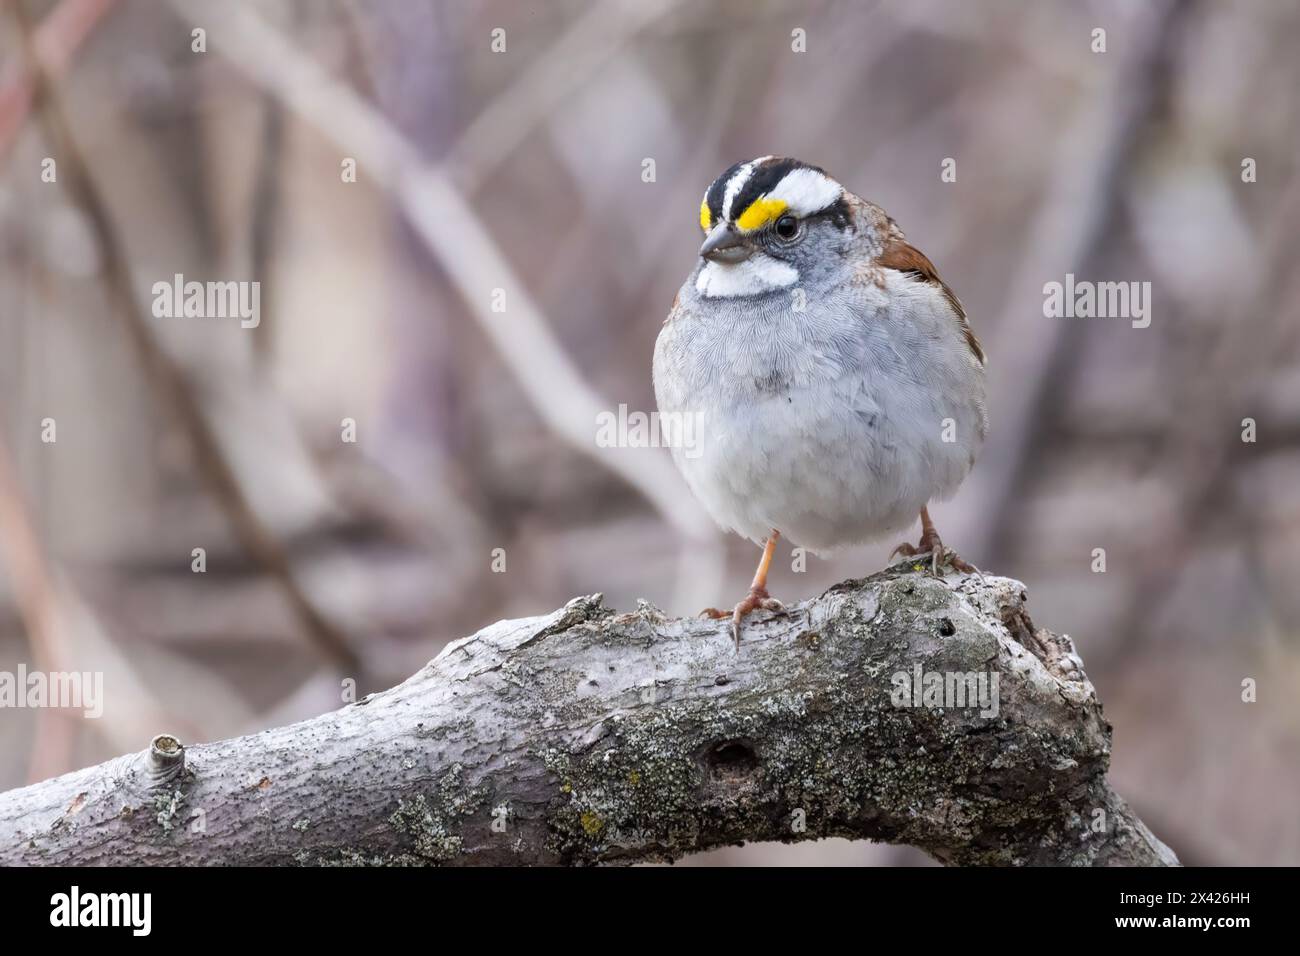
[759, 273]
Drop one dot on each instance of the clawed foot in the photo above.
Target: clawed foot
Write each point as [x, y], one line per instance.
[939, 555]
[758, 599]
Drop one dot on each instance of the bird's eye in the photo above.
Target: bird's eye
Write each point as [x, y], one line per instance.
[787, 227]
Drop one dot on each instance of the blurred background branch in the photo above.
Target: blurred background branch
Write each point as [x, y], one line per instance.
[55, 42]
[174, 388]
[1116, 481]
[453, 231]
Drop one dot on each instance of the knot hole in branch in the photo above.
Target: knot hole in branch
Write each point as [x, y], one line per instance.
[731, 762]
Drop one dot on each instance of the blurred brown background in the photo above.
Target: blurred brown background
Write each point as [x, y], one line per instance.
[522, 170]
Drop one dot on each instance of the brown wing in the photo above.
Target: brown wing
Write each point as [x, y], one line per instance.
[897, 253]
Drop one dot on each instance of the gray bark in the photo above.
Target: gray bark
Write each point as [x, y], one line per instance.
[591, 736]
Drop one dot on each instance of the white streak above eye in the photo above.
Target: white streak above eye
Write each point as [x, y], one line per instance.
[806, 191]
[757, 274]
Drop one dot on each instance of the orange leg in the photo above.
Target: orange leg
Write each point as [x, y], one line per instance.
[758, 596]
[760, 576]
[932, 545]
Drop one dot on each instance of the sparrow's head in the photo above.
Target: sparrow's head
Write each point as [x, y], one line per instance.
[771, 223]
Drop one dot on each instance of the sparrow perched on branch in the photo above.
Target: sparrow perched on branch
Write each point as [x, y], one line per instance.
[839, 385]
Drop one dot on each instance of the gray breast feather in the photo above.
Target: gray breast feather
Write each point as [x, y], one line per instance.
[834, 425]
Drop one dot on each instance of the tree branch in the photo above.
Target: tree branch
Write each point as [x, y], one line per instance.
[590, 736]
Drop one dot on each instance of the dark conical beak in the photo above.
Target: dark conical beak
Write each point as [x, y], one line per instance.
[725, 244]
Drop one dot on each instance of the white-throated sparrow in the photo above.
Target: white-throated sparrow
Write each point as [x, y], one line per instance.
[839, 385]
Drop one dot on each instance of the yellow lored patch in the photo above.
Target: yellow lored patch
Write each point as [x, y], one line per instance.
[706, 220]
[760, 212]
